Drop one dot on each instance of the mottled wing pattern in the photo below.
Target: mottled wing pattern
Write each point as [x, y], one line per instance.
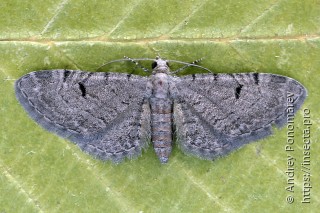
[215, 114]
[105, 114]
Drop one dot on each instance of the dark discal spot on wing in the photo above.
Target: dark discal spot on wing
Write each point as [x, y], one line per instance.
[256, 78]
[238, 91]
[82, 88]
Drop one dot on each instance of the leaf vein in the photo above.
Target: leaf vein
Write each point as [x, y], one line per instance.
[198, 184]
[120, 201]
[22, 190]
[259, 17]
[56, 13]
[194, 10]
[127, 15]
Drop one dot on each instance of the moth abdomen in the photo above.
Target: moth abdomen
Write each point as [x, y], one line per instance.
[161, 126]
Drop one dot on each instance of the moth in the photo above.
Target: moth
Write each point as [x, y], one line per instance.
[113, 116]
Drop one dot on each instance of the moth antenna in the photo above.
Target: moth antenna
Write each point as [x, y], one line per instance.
[125, 59]
[137, 64]
[134, 60]
[192, 64]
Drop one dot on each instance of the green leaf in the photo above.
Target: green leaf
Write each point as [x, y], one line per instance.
[41, 172]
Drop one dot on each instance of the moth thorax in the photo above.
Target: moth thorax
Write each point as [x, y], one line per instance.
[160, 85]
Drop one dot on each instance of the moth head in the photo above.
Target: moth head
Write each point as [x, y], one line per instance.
[160, 66]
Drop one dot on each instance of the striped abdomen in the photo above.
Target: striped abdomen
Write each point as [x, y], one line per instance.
[161, 127]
